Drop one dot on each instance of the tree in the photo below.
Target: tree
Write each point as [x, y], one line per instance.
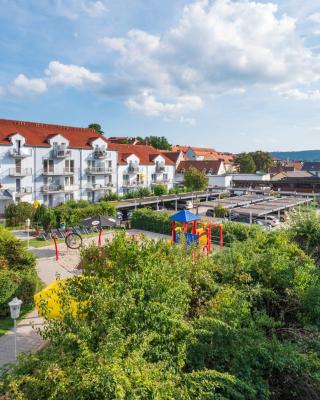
[195, 179]
[245, 163]
[262, 160]
[158, 142]
[96, 127]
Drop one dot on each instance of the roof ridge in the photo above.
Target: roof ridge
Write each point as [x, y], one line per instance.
[43, 124]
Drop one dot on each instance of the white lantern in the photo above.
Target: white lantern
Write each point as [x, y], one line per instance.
[28, 222]
[15, 305]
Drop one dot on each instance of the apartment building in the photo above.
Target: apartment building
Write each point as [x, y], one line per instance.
[54, 163]
[142, 166]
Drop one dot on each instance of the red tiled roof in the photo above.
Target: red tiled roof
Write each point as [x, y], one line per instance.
[37, 134]
[173, 155]
[177, 147]
[146, 154]
[203, 165]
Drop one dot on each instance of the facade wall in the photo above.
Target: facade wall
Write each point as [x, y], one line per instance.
[51, 180]
[134, 175]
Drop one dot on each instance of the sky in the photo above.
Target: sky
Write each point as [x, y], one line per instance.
[235, 75]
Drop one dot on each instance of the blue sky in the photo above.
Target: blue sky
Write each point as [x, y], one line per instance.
[235, 75]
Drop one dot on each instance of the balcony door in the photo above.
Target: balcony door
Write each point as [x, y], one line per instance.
[18, 166]
[48, 166]
[18, 185]
[69, 166]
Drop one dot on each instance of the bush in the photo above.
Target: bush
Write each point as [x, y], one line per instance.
[16, 214]
[154, 324]
[160, 190]
[18, 276]
[149, 220]
[220, 212]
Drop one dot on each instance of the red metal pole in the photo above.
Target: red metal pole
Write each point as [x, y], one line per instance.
[209, 239]
[56, 246]
[100, 235]
[221, 237]
[173, 227]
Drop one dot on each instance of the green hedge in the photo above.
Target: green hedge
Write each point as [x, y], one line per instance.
[154, 221]
[16, 214]
[18, 276]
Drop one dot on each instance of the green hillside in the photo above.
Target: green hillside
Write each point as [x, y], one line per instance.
[305, 155]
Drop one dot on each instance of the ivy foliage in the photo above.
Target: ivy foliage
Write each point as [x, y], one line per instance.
[154, 323]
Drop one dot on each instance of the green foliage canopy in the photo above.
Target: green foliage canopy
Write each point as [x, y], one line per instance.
[195, 179]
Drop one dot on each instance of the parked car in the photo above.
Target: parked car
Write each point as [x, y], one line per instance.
[210, 213]
[268, 220]
[184, 204]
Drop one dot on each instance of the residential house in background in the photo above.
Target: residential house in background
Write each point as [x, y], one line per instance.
[211, 168]
[54, 163]
[313, 167]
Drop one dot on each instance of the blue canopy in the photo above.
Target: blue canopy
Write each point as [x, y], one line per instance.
[184, 216]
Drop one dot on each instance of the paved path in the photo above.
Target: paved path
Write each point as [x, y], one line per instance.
[28, 340]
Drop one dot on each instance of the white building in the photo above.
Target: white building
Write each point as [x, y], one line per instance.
[53, 163]
[142, 167]
[210, 168]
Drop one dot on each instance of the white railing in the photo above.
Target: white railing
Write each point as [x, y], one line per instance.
[64, 171]
[20, 171]
[23, 190]
[20, 153]
[99, 170]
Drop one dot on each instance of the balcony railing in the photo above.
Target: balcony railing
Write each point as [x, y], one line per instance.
[133, 184]
[22, 191]
[20, 172]
[61, 152]
[161, 182]
[100, 186]
[20, 153]
[160, 168]
[99, 153]
[133, 169]
[59, 188]
[64, 171]
[99, 170]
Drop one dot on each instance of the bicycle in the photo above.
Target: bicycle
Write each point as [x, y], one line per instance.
[73, 240]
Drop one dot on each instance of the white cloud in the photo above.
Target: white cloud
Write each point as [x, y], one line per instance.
[74, 9]
[188, 121]
[149, 105]
[297, 94]
[314, 18]
[217, 47]
[22, 84]
[71, 75]
[95, 8]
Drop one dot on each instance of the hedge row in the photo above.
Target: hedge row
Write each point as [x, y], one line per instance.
[18, 276]
[153, 221]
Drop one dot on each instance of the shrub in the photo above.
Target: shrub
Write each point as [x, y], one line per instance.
[220, 212]
[149, 220]
[16, 214]
[18, 275]
[160, 190]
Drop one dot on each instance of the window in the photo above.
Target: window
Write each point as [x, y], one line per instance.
[153, 177]
[48, 165]
[69, 165]
[165, 177]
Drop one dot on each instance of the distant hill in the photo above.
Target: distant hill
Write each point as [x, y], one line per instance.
[304, 155]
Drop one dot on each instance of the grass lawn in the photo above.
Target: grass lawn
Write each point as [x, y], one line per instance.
[6, 323]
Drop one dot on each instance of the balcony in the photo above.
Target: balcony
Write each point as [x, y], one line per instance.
[99, 153]
[64, 171]
[20, 172]
[22, 191]
[61, 152]
[160, 168]
[100, 186]
[99, 170]
[20, 153]
[59, 188]
[133, 168]
[132, 184]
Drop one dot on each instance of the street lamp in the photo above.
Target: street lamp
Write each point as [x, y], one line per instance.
[15, 305]
[28, 227]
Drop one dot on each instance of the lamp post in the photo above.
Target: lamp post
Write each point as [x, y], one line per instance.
[15, 305]
[28, 227]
